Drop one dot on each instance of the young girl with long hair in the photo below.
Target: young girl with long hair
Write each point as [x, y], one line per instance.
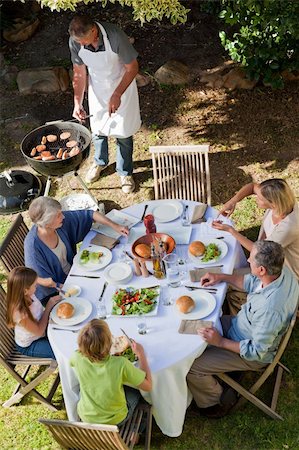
[26, 314]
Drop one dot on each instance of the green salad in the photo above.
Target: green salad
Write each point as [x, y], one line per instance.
[130, 355]
[212, 252]
[92, 257]
[132, 301]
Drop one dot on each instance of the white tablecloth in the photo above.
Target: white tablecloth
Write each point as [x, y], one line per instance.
[169, 353]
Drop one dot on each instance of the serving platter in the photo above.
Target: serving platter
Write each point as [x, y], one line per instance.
[165, 210]
[151, 313]
[91, 266]
[197, 260]
[205, 303]
[83, 309]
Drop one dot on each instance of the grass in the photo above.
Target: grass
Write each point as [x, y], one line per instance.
[246, 429]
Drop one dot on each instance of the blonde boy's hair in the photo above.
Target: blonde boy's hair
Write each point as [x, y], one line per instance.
[279, 194]
[95, 340]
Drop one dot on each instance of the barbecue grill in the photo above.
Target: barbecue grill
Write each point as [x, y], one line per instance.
[58, 167]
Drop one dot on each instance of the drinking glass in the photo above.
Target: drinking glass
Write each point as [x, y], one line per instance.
[101, 311]
[182, 262]
[172, 270]
[167, 299]
[141, 327]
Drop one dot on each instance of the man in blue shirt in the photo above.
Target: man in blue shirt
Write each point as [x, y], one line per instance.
[250, 339]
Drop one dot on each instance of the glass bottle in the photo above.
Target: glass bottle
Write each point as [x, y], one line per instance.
[158, 272]
[149, 222]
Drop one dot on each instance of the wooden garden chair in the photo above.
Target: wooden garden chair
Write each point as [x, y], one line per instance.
[12, 247]
[10, 358]
[249, 394]
[182, 172]
[85, 436]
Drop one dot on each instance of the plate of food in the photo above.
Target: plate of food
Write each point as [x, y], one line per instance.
[134, 302]
[71, 290]
[198, 305]
[207, 251]
[121, 347]
[94, 257]
[165, 210]
[71, 312]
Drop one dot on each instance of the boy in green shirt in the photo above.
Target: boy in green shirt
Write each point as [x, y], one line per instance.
[103, 397]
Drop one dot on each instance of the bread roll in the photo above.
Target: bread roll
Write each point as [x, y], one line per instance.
[119, 345]
[65, 310]
[197, 248]
[185, 304]
[143, 250]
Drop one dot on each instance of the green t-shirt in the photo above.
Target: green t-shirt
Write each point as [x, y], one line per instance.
[102, 396]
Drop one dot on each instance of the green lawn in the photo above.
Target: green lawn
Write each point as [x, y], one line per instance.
[245, 429]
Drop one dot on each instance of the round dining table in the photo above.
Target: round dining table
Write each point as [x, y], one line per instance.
[170, 354]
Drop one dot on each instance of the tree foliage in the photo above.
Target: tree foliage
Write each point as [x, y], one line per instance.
[143, 10]
[267, 38]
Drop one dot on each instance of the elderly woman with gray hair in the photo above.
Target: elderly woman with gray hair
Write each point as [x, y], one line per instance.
[50, 245]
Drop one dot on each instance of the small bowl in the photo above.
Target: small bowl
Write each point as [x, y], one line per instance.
[151, 237]
[67, 287]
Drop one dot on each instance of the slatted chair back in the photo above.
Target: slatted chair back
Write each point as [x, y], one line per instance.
[12, 247]
[84, 436]
[10, 358]
[182, 172]
[7, 342]
[248, 394]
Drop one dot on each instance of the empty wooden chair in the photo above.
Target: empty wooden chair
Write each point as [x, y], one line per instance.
[85, 436]
[248, 394]
[12, 247]
[10, 358]
[182, 172]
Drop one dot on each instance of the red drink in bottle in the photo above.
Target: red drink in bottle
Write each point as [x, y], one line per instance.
[149, 222]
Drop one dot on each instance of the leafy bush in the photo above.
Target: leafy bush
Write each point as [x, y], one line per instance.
[143, 10]
[267, 38]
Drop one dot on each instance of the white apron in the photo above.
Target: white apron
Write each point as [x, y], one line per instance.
[105, 73]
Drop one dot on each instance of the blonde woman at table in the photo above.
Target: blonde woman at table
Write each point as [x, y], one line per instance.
[280, 224]
[103, 396]
[26, 314]
[50, 245]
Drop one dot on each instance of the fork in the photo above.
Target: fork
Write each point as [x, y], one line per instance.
[193, 288]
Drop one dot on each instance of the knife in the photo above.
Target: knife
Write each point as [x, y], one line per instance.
[202, 288]
[104, 288]
[83, 276]
[142, 217]
[129, 339]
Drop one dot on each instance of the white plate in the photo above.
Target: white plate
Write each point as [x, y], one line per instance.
[153, 312]
[118, 217]
[197, 260]
[74, 202]
[67, 287]
[103, 262]
[118, 273]
[83, 309]
[165, 210]
[205, 303]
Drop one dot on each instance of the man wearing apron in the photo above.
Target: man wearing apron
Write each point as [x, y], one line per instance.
[112, 66]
